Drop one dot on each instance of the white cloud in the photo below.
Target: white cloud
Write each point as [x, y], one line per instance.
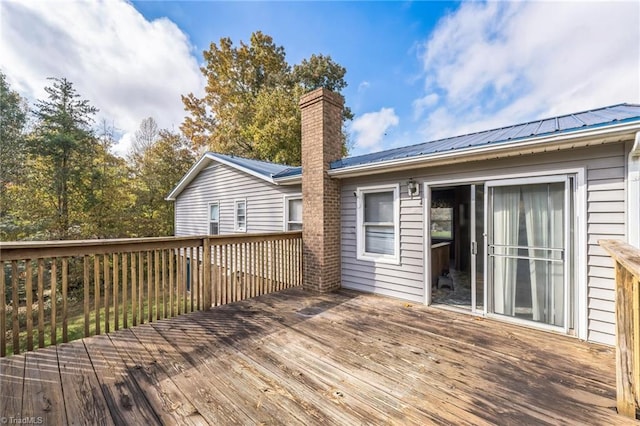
[420, 104]
[364, 85]
[126, 66]
[500, 63]
[370, 128]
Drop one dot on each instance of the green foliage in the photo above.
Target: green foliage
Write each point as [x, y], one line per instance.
[157, 170]
[64, 145]
[250, 107]
[13, 121]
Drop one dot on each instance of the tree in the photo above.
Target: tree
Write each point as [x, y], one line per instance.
[108, 199]
[250, 107]
[13, 121]
[144, 137]
[157, 171]
[65, 146]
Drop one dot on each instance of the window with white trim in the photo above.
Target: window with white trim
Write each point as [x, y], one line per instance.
[214, 218]
[293, 213]
[378, 227]
[240, 215]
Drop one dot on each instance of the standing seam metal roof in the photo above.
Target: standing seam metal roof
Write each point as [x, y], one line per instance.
[555, 125]
[263, 168]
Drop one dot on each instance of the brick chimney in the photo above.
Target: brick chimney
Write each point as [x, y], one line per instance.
[321, 144]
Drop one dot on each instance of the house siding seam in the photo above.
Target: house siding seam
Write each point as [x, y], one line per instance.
[605, 209]
[225, 184]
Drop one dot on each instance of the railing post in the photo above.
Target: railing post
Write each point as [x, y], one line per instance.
[206, 262]
[624, 343]
[627, 271]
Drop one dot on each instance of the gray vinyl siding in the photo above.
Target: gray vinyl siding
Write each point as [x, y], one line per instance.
[605, 167]
[224, 184]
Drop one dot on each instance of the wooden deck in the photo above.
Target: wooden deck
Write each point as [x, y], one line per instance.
[298, 358]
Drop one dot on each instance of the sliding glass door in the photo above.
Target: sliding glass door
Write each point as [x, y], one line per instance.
[527, 248]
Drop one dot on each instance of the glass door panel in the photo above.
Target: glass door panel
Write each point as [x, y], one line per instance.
[477, 247]
[526, 251]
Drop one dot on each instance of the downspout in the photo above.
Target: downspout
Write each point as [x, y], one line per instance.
[633, 194]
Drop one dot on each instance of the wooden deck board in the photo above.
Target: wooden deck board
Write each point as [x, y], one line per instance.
[83, 398]
[170, 404]
[210, 402]
[42, 392]
[301, 358]
[125, 400]
[11, 386]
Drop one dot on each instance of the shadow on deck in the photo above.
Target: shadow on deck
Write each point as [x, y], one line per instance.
[299, 358]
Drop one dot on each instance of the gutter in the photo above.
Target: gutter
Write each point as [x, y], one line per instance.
[577, 138]
[635, 150]
[288, 180]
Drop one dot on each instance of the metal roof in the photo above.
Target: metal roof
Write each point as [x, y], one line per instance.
[496, 138]
[291, 171]
[263, 168]
[600, 117]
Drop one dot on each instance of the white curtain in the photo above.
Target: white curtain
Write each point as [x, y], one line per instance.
[544, 220]
[506, 203]
[536, 211]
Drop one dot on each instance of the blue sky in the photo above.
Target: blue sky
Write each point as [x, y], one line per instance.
[416, 71]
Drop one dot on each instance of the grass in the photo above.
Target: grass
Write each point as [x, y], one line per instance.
[75, 322]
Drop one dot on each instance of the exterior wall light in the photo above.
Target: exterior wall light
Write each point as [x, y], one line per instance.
[413, 188]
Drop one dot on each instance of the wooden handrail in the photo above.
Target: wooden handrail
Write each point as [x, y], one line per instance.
[627, 261]
[117, 283]
[17, 250]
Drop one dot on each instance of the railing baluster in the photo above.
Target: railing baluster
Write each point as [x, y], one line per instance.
[223, 268]
[163, 270]
[149, 300]
[54, 299]
[15, 304]
[125, 291]
[3, 310]
[29, 293]
[41, 303]
[193, 276]
[156, 266]
[96, 291]
[116, 291]
[178, 281]
[65, 312]
[207, 273]
[134, 289]
[200, 280]
[172, 259]
[252, 274]
[107, 292]
[184, 279]
[86, 295]
[261, 267]
[140, 287]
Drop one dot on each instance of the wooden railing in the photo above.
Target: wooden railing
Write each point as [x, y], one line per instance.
[54, 291]
[627, 260]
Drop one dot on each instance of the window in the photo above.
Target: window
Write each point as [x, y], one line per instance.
[214, 218]
[240, 222]
[378, 225]
[292, 213]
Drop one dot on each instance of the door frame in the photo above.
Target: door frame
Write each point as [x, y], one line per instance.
[580, 302]
[568, 308]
